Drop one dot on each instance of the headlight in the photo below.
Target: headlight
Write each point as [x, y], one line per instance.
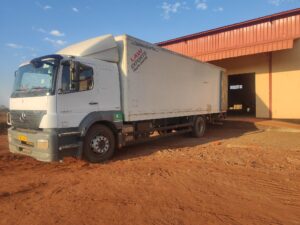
[42, 144]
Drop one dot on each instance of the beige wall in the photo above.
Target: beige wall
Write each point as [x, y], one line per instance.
[285, 80]
[286, 83]
[257, 64]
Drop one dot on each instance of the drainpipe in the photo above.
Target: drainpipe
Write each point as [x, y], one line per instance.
[270, 84]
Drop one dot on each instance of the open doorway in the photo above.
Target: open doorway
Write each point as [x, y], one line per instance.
[241, 94]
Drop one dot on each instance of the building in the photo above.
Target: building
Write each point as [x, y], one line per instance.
[262, 59]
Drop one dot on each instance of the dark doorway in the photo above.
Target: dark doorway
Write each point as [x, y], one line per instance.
[241, 94]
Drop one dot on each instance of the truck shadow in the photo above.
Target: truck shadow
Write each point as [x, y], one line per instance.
[214, 133]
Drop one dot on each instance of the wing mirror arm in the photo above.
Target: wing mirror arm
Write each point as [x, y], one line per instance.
[60, 91]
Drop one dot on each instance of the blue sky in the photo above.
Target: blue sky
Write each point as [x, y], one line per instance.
[30, 28]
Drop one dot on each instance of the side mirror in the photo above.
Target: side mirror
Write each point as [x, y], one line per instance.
[74, 84]
[65, 63]
[36, 63]
[73, 70]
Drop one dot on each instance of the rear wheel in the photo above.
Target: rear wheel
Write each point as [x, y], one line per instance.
[99, 144]
[199, 127]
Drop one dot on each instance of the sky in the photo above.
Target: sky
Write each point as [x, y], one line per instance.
[31, 28]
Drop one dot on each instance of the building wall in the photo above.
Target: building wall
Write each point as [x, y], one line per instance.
[258, 64]
[286, 83]
[285, 80]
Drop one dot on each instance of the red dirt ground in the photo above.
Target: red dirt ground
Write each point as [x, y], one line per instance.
[239, 173]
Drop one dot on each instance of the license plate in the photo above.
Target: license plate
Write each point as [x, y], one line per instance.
[23, 138]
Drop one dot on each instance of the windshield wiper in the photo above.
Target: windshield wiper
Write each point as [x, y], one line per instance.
[20, 89]
[39, 88]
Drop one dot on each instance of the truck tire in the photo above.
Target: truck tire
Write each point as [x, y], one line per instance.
[199, 127]
[99, 144]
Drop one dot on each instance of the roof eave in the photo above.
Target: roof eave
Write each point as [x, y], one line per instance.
[233, 26]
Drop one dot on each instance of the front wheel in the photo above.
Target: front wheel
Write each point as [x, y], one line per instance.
[99, 144]
[199, 127]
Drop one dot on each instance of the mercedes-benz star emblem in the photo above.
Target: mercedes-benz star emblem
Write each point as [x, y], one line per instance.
[23, 117]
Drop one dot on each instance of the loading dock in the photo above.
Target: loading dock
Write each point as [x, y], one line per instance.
[241, 94]
[269, 47]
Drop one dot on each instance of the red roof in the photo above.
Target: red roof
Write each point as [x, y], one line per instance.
[234, 26]
[264, 34]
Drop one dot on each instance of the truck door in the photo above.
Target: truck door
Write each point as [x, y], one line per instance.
[77, 95]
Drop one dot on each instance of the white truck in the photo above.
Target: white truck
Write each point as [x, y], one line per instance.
[108, 92]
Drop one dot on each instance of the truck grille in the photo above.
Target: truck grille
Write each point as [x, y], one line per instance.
[29, 119]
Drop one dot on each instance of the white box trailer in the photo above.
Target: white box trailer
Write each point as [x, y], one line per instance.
[157, 83]
[107, 92]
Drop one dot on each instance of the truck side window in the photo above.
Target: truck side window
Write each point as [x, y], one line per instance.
[86, 81]
[82, 81]
[66, 85]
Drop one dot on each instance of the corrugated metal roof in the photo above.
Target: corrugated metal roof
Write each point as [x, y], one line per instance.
[265, 34]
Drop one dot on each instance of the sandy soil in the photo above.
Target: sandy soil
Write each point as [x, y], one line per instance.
[239, 173]
[3, 125]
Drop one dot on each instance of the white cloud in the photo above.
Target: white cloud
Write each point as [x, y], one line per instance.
[41, 30]
[60, 42]
[13, 45]
[274, 2]
[31, 49]
[54, 32]
[219, 9]
[57, 33]
[280, 2]
[74, 9]
[169, 8]
[201, 4]
[46, 7]
[55, 43]
[17, 46]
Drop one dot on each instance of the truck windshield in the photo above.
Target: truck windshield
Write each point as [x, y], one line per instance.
[35, 79]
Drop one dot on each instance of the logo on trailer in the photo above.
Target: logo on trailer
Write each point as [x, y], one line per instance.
[138, 59]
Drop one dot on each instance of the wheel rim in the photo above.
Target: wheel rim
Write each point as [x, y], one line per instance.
[99, 144]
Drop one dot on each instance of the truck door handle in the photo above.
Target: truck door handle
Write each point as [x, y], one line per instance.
[93, 103]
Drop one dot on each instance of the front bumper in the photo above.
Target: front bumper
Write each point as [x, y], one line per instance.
[30, 147]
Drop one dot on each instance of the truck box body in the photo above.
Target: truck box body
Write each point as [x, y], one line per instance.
[157, 83]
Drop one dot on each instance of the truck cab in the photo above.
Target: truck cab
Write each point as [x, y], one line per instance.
[55, 99]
